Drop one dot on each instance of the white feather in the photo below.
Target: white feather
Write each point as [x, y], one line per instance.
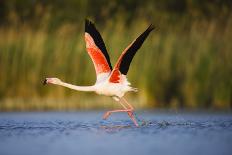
[104, 87]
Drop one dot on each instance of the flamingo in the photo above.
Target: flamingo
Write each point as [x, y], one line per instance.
[110, 81]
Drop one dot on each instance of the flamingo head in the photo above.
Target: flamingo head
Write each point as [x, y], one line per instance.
[52, 81]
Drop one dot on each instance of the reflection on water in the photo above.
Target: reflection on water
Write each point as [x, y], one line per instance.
[85, 133]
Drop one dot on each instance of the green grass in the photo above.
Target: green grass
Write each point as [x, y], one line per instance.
[182, 65]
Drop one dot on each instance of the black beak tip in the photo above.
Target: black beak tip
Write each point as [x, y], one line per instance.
[45, 82]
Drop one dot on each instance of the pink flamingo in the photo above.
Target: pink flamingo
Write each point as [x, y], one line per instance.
[110, 81]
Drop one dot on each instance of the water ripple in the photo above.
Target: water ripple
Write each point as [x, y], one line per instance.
[65, 131]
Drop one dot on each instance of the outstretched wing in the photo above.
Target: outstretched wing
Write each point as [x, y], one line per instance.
[123, 63]
[97, 51]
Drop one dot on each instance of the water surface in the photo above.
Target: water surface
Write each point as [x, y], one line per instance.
[72, 133]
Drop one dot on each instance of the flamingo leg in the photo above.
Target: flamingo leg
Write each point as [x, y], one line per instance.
[131, 107]
[128, 110]
[108, 113]
[131, 115]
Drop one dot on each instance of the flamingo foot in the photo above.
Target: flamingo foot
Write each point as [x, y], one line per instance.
[131, 115]
[106, 115]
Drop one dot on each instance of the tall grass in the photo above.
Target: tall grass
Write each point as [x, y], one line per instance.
[182, 65]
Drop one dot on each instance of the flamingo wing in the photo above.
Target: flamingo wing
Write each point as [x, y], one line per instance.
[97, 51]
[123, 63]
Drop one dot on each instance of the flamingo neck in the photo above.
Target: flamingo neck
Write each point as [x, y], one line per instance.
[79, 88]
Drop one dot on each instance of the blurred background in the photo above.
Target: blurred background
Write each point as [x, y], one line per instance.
[185, 63]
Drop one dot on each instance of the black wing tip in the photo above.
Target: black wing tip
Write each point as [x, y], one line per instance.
[151, 27]
[93, 32]
[88, 25]
[87, 21]
[127, 58]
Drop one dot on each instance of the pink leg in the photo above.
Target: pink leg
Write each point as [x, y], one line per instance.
[131, 115]
[131, 107]
[108, 113]
[128, 110]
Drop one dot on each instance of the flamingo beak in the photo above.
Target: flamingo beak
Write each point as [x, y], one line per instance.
[45, 82]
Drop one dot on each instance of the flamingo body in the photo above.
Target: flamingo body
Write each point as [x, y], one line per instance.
[112, 89]
[110, 81]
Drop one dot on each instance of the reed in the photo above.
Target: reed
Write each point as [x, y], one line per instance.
[180, 65]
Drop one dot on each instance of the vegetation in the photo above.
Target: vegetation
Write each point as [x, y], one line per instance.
[186, 62]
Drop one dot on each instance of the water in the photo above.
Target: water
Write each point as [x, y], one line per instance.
[72, 133]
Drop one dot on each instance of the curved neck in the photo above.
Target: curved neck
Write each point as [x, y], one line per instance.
[79, 88]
